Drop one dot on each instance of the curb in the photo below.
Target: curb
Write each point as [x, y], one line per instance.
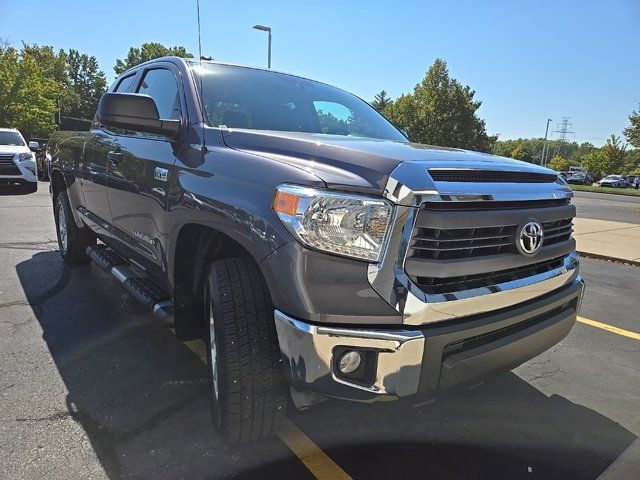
[634, 263]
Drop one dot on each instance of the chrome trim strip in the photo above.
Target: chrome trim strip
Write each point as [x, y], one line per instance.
[308, 350]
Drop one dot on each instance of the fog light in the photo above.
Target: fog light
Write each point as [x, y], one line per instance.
[349, 362]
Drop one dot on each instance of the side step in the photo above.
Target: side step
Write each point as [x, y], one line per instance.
[143, 290]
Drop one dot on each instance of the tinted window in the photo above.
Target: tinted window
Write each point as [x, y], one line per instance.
[11, 138]
[240, 97]
[161, 85]
[125, 83]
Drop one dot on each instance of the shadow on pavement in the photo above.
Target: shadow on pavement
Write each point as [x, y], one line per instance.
[141, 397]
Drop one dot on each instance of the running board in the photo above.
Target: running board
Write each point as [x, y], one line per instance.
[143, 290]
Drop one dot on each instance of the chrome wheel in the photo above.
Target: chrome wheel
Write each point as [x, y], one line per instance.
[62, 228]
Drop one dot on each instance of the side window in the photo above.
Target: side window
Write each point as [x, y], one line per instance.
[125, 83]
[160, 84]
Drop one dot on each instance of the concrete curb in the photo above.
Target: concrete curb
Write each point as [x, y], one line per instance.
[596, 256]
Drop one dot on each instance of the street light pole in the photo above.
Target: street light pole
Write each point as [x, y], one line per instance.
[545, 147]
[268, 30]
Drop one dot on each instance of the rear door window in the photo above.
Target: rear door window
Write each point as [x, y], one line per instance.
[125, 83]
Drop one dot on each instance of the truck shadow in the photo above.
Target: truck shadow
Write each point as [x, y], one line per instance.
[141, 397]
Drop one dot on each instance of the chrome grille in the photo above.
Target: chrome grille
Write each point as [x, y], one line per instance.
[455, 243]
[7, 167]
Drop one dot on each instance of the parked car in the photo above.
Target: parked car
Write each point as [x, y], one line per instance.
[579, 178]
[318, 255]
[39, 147]
[17, 161]
[614, 181]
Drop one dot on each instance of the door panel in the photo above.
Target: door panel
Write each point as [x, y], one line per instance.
[94, 172]
[137, 196]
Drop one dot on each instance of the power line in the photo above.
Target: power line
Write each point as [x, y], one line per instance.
[563, 130]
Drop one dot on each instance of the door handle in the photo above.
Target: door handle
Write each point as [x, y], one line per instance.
[114, 158]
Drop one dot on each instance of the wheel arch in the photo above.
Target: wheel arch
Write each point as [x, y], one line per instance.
[196, 246]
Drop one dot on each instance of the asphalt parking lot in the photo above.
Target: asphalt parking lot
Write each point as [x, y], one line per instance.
[91, 386]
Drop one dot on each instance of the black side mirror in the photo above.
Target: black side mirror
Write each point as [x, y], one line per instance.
[135, 112]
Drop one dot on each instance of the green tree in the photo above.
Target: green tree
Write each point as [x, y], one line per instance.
[609, 159]
[596, 162]
[522, 151]
[632, 132]
[441, 111]
[559, 164]
[148, 51]
[29, 89]
[85, 85]
[381, 100]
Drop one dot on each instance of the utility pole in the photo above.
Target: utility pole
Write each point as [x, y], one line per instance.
[563, 130]
[545, 146]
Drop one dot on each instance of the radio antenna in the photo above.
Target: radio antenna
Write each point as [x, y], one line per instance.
[199, 41]
[201, 74]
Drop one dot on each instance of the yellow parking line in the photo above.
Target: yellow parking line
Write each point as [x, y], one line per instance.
[312, 456]
[610, 328]
[318, 462]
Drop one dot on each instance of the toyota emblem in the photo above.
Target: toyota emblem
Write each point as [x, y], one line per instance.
[529, 238]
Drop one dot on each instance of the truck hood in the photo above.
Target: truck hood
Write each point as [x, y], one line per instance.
[14, 149]
[361, 163]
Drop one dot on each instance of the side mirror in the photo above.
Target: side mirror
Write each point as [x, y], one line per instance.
[34, 146]
[135, 112]
[405, 133]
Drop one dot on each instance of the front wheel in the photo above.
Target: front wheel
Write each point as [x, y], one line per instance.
[248, 390]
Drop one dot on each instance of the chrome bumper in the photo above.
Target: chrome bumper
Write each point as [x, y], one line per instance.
[430, 358]
[308, 349]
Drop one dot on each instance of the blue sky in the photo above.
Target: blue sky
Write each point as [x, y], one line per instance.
[526, 60]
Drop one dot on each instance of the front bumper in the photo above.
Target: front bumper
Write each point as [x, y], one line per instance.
[427, 359]
[24, 173]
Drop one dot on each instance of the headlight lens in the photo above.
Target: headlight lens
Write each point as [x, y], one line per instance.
[26, 156]
[343, 224]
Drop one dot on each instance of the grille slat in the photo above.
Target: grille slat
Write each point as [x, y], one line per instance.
[489, 176]
[434, 285]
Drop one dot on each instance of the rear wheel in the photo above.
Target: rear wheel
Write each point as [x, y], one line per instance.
[72, 241]
[248, 390]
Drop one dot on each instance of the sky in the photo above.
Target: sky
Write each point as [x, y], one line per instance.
[527, 60]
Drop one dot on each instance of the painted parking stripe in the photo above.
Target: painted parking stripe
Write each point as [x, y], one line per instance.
[312, 456]
[610, 328]
[318, 462]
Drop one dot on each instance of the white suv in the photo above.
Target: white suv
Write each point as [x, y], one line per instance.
[17, 161]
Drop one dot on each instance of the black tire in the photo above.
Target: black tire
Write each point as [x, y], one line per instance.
[73, 250]
[31, 187]
[250, 399]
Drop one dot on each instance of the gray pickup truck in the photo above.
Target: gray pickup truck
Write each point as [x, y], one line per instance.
[316, 250]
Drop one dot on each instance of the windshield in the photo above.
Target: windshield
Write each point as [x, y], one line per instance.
[11, 138]
[612, 177]
[241, 97]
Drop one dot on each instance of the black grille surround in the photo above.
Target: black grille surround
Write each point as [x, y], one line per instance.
[489, 176]
[7, 167]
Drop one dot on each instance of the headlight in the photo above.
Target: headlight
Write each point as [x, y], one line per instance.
[340, 223]
[26, 156]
